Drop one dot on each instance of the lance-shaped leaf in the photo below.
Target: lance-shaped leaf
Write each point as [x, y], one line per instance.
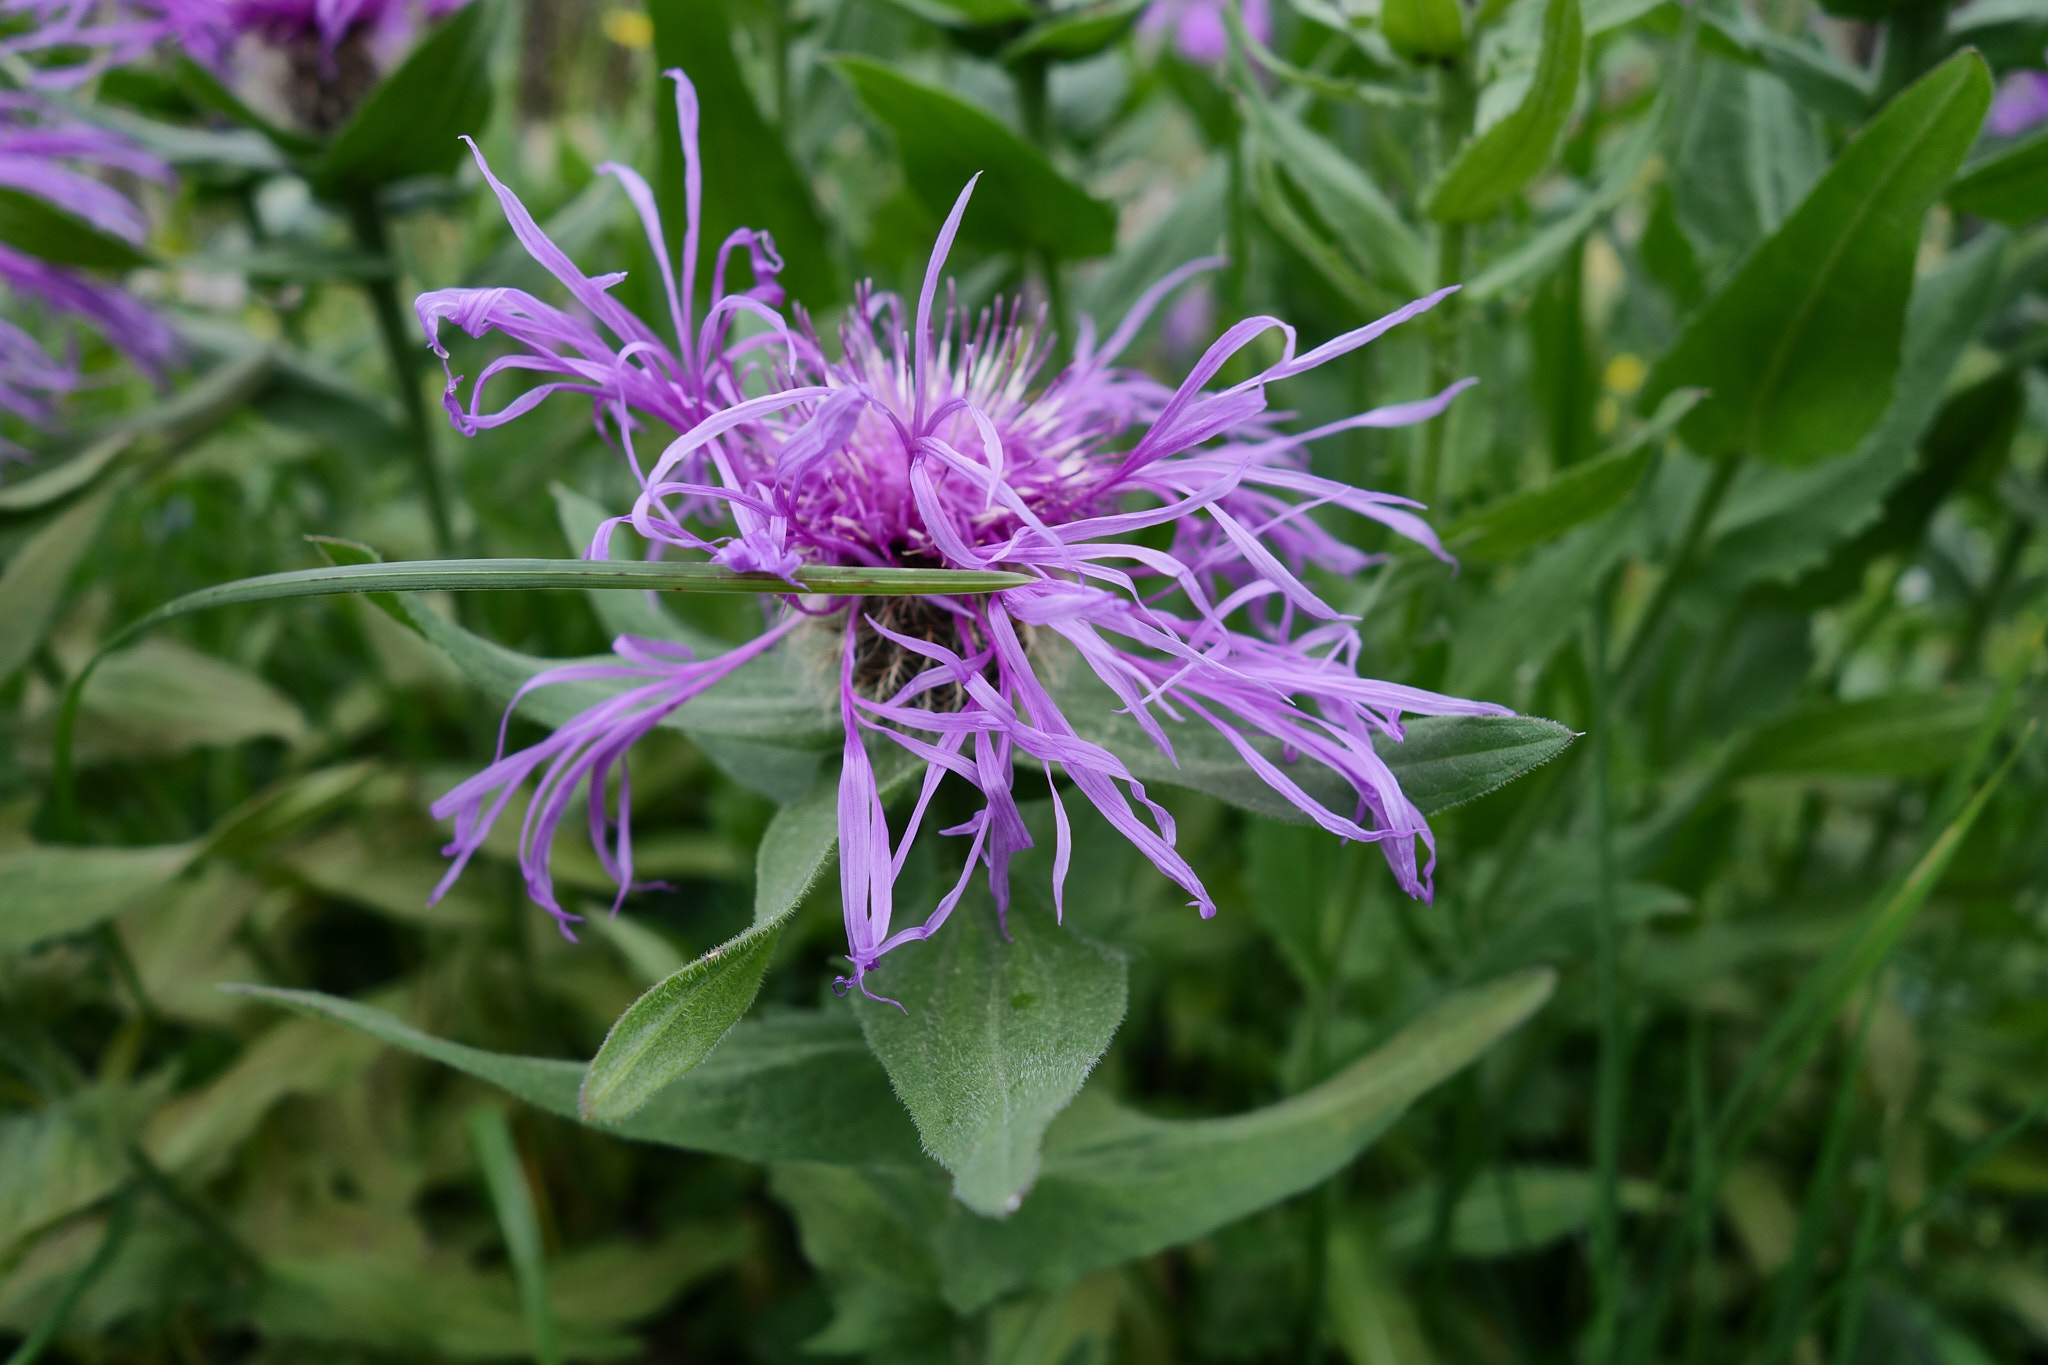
[749, 177]
[1522, 521]
[413, 122]
[34, 579]
[1363, 223]
[1445, 761]
[1117, 1184]
[1800, 348]
[53, 890]
[1896, 735]
[1021, 202]
[1493, 167]
[2010, 186]
[793, 1086]
[37, 228]
[674, 1026]
[993, 1038]
[1070, 35]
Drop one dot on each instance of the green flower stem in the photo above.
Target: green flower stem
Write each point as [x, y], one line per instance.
[366, 217]
[1683, 560]
[1457, 106]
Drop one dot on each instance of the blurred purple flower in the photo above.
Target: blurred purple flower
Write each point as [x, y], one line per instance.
[2021, 104]
[930, 442]
[51, 159]
[68, 42]
[333, 51]
[1197, 26]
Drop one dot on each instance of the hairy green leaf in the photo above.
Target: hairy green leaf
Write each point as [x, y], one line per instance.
[996, 1031]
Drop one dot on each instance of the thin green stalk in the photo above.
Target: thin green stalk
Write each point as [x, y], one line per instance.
[1676, 572]
[1849, 1323]
[513, 1199]
[1457, 105]
[1796, 1279]
[402, 349]
[118, 1225]
[1612, 1081]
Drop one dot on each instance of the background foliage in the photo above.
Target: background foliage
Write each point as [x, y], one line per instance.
[1778, 1105]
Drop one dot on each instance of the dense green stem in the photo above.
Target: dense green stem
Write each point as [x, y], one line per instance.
[403, 351]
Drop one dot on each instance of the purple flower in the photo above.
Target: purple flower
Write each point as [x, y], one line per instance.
[331, 52]
[68, 42]
[2020, 105]
[52, 160]
[1197, 26]
[930, 441]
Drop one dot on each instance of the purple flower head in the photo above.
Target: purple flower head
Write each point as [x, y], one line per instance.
[935, 440]
[2021, 104]
[322, 56]
[1197, 26]
[52, 160]
[68, 42]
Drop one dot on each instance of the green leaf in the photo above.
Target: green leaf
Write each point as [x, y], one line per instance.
[675, 1025]
[505, 1177]
[750, 178]
[1117, 1184]
[1779, 524]
[1445, 761]
[37, 228]
[1520, 522]
[1424, 30]
[1073, 35]
[1896, 735]
[1361, 220]
[993, 1038]
[793, 1086]
[1508, 1210]
[1801, 346]
[163, 697]
[413, 122]
[1021, 202]
[55, 889]
[58, 482]
[65, 1156]
[2010, 186]
[1525, 623]
[33, 582]
[1523, 264]
[1493, 167]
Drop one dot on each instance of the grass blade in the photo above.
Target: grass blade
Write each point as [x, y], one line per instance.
[513, 1200]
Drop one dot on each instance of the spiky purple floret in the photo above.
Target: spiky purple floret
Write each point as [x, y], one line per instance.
[68, 42]
[210, 30]
[931, 441]
[1197, 27]
[2021, 104]
[52, 159]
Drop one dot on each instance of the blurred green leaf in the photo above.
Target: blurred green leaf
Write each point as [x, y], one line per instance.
[1507, 1210]
[1072, 35]
[35, 227]
[505, 1177]
[65, 1156]
[1525, 623]
[200, 1131]
[53, 889]
[674, 1026]
[207, 91]
[1520, 522]
[61, 481]
[412, 123]
[969, 13]
[1021, 201]
[786, 1087]
[161, 697]
[1778, 524]
[2010, 186]
[996, 1031]
[1369, 230]
[1117, 1184]
[749, 178]
[1523, 264]
[1801, 347]
[1369, 1317]
[1424, 30]
[1897, 735]
[33, 582]
[1494, 166]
